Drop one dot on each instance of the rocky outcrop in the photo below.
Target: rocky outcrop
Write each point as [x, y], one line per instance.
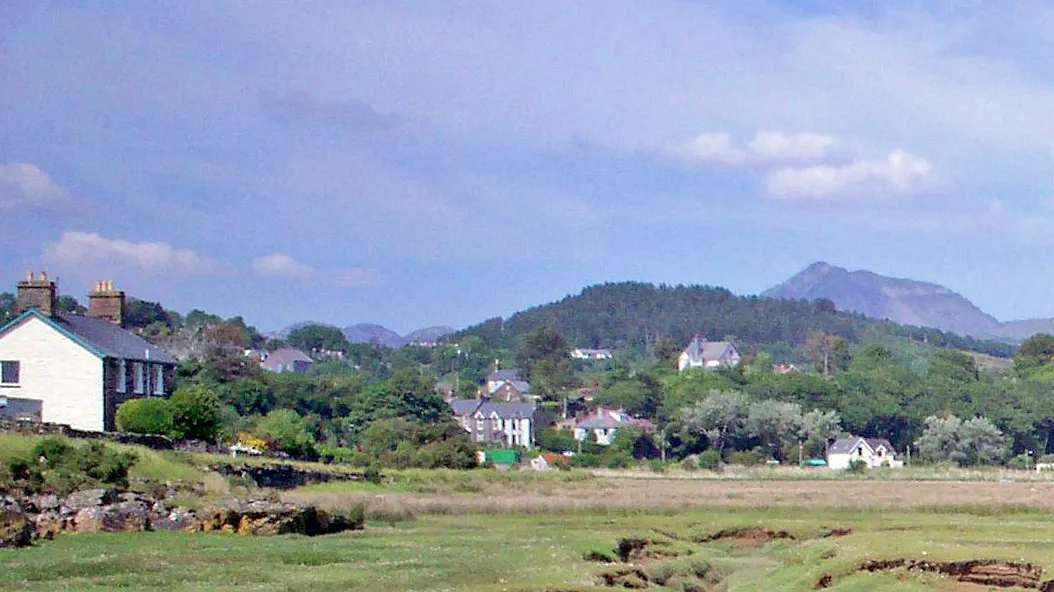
[29, 518]
[280, 476]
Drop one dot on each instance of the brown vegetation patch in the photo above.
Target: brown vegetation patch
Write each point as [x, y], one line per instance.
[640, 548]
[748, 536]
[985, 572]
[835, 532]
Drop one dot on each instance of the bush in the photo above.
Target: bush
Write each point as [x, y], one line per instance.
[372, 474]
[584, 460]
[60, 467]
[748, 458]
[1021, 461]
[288, 432]
[690, 464]
[618, 461]
[656, 466]
[710, 460]
[152, 415]
[195, 413]
[857, 467]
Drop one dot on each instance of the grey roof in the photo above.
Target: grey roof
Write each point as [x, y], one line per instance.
[465, 407]
[111, 340]
[701, 349]
[510, 374]
[13, 408]
[286, 356]
[521, 385]
[849, 444]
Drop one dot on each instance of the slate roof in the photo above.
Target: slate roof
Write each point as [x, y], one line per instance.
[848, 445]
[521, 385]
[702, 350]
[111, 340]
[608, 419]
[99, 336]
[466, 407]
[501, 375]
[286, 357]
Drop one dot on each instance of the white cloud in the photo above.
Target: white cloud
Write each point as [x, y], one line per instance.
[767, 148]
[87, 248]
[281, 265]
[900, 174]
[25, 186]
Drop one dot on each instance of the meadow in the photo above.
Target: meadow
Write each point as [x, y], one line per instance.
[763, 528]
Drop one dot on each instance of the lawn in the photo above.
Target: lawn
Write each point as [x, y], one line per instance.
[509, 552]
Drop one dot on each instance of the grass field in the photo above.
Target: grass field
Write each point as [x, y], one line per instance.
[542, 552]
[522, 531]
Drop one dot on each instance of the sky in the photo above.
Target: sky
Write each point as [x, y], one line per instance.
[439, 163]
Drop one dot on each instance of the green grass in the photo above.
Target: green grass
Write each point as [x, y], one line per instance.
[533, 553]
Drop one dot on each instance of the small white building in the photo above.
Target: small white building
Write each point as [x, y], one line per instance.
[709, 355]
[75, 369]
[603, 424]
[874, 452]
[591, 354]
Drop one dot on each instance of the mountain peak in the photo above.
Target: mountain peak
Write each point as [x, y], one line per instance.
[908, 302]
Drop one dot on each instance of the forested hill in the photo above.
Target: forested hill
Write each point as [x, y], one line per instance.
[627, 314]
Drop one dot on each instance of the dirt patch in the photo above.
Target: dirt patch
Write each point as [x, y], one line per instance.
[597, 557]
[835, 532]
[634, 549]
[749, 536]
[624, 577]
[985, 572]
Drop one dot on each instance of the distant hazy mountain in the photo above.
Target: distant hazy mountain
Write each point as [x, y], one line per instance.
[904, 301]
[371, 333]
[428, 334]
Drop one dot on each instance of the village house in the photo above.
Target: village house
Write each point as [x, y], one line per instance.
[287, 360]
[709, 355]
[874, 452]
[603, 424]
[591, 354]
[71, 369]
[508, 424]
[506, 385]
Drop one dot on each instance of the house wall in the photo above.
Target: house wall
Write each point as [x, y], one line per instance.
[64, 376]
[839, 461]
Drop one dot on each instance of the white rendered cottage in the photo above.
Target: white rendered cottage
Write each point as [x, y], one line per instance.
[73, 369]
[874, 452]
[709, 355]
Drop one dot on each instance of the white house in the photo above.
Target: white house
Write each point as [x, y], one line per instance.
[603, 424]
[72, 369]
[709, 355]
[875, 452]
[510, 424]
[591, 354]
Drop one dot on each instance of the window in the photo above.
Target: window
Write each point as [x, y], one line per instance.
[122, 376]
[140, 378]
[9, 372]
[159, 379]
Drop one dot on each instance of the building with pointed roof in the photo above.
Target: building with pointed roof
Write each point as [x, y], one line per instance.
[709, 355]
[874, 452]
[76, 370]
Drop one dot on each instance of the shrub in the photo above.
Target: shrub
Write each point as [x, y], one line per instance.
[857, 466]
[287, 432]
[656, 466]
[372, 474]
[152, 415]
[710, 460]
[195, 413]
[618, 461]
[61, 467]
[584, 460]
[690, 464]
[748, 458]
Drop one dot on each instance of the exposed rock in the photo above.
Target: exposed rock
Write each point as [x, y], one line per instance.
[16, 528]
[280, 476]
[984, 572]
[88, 498]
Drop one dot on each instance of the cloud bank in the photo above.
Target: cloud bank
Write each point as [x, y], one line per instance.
[24, 186]
[91, 249]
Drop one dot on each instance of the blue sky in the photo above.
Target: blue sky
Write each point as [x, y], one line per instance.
[422, 163]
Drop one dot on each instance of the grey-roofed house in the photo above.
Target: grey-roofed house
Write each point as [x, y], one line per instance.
[604, 423]
[709, 355]
[287, 360]
[508, 424]
[874, 452]
[77, 369]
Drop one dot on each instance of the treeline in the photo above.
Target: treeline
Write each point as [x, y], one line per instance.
[630, 314]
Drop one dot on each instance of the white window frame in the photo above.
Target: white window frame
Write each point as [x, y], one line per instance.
[140, 378]
[122, 376]
[18, 373]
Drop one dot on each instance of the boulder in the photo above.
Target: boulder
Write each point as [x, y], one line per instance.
[121, 517]
[49, 523]
[16, 529]
[88, 498]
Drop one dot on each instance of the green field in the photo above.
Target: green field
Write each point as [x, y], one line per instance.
[542, 552]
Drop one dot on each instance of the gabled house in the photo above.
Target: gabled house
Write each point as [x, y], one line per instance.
[874, 452]
[603, 424]
[506, 385]
[709, 355]
[72, 369]
[509, 424]
[287, 360]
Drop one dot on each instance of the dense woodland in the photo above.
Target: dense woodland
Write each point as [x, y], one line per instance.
[366, 404]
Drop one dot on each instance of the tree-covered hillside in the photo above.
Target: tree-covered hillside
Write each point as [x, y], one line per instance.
[629, 314]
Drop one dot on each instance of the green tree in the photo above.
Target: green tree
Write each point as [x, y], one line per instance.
[775, 424]
[1036, 352]
[316, 338]
[287, 431]
[545, 361]
[195, 412]
[720, 417]
[973, 442]
[151, 415]
[828, 353]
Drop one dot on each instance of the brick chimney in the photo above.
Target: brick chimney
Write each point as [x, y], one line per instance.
[37, 292]
[106, 302]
